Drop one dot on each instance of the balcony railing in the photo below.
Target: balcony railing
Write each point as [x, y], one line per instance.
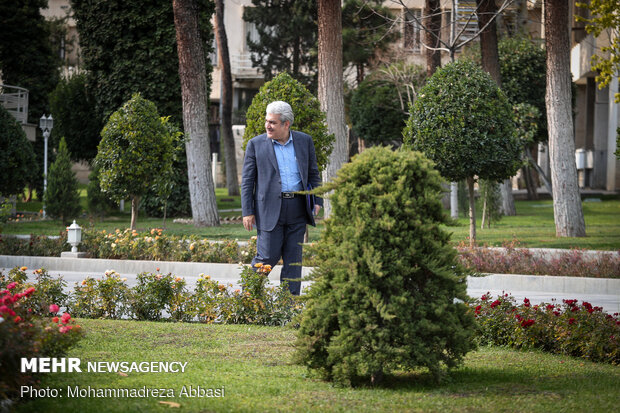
[15, 100]
[241, 66]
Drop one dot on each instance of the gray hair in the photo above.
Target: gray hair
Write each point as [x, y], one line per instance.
[281, 108]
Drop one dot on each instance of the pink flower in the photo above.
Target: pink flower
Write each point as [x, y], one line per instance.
[63, 329]
[65, 318]
[11, 286]
[54, 308]
[29, 291]
[4, 309]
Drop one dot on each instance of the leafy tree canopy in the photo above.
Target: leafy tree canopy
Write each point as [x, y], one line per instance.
[286, 38]
[16, 155]
[135, 151]
[26, 57]
[376, 113]
[134, 51]
[464, 122]
[308, 115]
[75, 117]
[604, 16]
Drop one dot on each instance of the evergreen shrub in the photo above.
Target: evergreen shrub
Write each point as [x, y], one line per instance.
[308, 115]
[62, 196]
[387, 287]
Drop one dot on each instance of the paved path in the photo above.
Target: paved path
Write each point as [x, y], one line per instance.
[599, 292]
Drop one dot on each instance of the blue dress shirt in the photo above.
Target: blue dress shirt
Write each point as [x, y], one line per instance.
[287, 163]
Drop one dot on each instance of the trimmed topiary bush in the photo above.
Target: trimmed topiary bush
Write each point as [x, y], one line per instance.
[464, 123]
[387, 285]
[308, 115]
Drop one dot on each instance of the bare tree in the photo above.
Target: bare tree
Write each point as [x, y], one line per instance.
[568, 213]
[487, 10]
[193, 76]
[232, 183]
[331, 85]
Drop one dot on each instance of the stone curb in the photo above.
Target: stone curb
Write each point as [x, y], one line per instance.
[507, 282]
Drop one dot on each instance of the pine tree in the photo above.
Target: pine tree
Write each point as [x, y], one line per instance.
[385, 289]
[62, 197]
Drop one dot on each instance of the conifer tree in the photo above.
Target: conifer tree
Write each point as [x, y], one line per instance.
[387, 287]
[62, 197]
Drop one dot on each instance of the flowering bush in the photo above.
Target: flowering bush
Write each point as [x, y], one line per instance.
[25, 334]
[151, 295]
[569, 328]
[573, 263]
[48, 290]
[101, 298]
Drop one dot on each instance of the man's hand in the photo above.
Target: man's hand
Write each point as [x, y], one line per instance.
[249, 222]
[317, 208]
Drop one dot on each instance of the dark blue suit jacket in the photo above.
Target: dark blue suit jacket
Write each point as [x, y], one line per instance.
[261, 185]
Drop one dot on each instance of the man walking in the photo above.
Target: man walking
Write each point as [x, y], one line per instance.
[277, 164]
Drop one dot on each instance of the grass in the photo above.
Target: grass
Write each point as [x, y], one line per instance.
[533, 226]
[253, 365]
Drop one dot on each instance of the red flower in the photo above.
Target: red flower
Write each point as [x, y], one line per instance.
[571, 321]
[55, 319]
[29, 291]
[518, 317]
[570, 302]
[574, 309]
[65, 318]
[17, 319]
[526, 302]
[478, 309]
[557, 313]
[11, 286]
[4, 309]
[495, 303]
[484, 297]
[54, 308]
[527, 323]
[587, 305]
[550, 306]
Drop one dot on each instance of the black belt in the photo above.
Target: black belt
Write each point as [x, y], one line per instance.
[289, 195]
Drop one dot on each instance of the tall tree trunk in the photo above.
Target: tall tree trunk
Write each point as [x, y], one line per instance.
[135, 201]
[432, 21]
[331, 87]
[487, 10]
[193, 76]
[232, 183]
[472, 212]
[567, 210]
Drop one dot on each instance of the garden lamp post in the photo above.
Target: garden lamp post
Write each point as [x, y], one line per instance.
[46, 125]
[74, 236]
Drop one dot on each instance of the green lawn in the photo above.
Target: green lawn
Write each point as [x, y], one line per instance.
[532, 227]
[253, 366]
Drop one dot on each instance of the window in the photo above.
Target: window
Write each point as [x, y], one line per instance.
[413, 32]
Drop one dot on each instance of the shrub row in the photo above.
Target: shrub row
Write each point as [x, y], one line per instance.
[164, 296]
[512, 260]
[569, 328]
[30, 327]
[155, 245]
